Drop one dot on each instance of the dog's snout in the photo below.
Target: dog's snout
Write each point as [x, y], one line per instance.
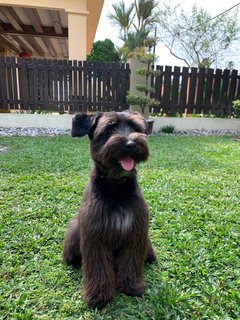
[131, 145]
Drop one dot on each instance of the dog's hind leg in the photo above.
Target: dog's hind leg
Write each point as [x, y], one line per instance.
[151, 255]
[71, 250]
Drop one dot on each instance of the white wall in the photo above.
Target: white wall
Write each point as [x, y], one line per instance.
[197, 123]
[35, 121]
[65, 121]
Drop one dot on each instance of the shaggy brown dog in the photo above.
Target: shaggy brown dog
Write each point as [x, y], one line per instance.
[109, 237]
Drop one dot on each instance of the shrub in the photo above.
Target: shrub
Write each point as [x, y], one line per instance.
[144, 99]
[236, 107]
[168, 129]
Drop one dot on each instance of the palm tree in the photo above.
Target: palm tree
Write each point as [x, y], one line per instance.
[146, 14]
[122, 17]
[135, 23]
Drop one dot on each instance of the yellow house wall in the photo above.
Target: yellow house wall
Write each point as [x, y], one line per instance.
[77, 35]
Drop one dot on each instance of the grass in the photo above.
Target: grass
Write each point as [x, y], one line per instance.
[191, 185]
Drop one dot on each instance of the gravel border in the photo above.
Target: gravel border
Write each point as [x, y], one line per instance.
[201, 133]
[49, 132]
[32, 132]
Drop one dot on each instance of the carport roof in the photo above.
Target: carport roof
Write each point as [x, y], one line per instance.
[42, 32]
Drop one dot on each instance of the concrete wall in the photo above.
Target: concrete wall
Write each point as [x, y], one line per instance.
[65, 121]
[35, 121]
[197, 124]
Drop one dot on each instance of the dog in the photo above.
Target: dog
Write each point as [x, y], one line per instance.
[109, 237]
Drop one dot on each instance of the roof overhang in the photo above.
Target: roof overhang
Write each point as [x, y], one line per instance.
[40, 27]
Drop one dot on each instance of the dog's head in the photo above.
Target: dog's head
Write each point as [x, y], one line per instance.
[118, 140]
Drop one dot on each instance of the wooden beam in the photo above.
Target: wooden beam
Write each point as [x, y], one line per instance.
[28, 30]
[11, 19]
[49, 46]
[22, 44]
[34, 18]
[14, 15]
[63, 47]
[16, 29]
[33, 43]
[37, 25]
[7, 44]
[55, 17]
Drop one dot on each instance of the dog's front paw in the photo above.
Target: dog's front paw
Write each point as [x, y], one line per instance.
[133, 290]
[99, 299]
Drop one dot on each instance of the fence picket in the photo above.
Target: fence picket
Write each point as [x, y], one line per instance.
[175, 90]
[183, 91]
[232, 90]
[224, 92]
[192, 91]
[208, 92]
[216, 91]
[70, 87]
[167, 89]
[3, 88]
[65, 85]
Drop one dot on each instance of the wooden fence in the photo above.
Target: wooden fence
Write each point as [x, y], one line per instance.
[71, 86]
[63, 86]
[196, 91]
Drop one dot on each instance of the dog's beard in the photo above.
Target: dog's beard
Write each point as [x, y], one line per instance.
[116, 160]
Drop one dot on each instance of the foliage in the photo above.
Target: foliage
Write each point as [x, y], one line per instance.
[168, 129]
[148, 72]
[103, 51]
[236, 107]
[145, 88]
[142, 101]
[191, 186]
[195, 37]
[135, 23]
[122, 18]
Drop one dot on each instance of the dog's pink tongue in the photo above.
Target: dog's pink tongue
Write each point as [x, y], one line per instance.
[127, 163]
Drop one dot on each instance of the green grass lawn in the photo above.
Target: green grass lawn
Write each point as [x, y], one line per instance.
[191, 185]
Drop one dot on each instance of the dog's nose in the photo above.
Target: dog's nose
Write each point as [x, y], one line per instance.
[131, 145]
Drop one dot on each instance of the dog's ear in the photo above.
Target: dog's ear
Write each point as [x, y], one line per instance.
[83, 124]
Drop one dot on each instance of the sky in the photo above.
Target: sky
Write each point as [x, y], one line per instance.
[214, 7]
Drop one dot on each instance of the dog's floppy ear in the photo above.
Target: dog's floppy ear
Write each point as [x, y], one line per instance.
[83, 124]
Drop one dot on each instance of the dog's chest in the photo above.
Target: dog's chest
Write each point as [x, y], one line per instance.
[120, 221]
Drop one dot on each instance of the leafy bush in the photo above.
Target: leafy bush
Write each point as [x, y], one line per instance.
[104, 51]
[168, 129]
[144, 55]
[236, 107]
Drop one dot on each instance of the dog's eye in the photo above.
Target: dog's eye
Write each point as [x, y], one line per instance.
[107, 132]
[137, 127]
[111, 128]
